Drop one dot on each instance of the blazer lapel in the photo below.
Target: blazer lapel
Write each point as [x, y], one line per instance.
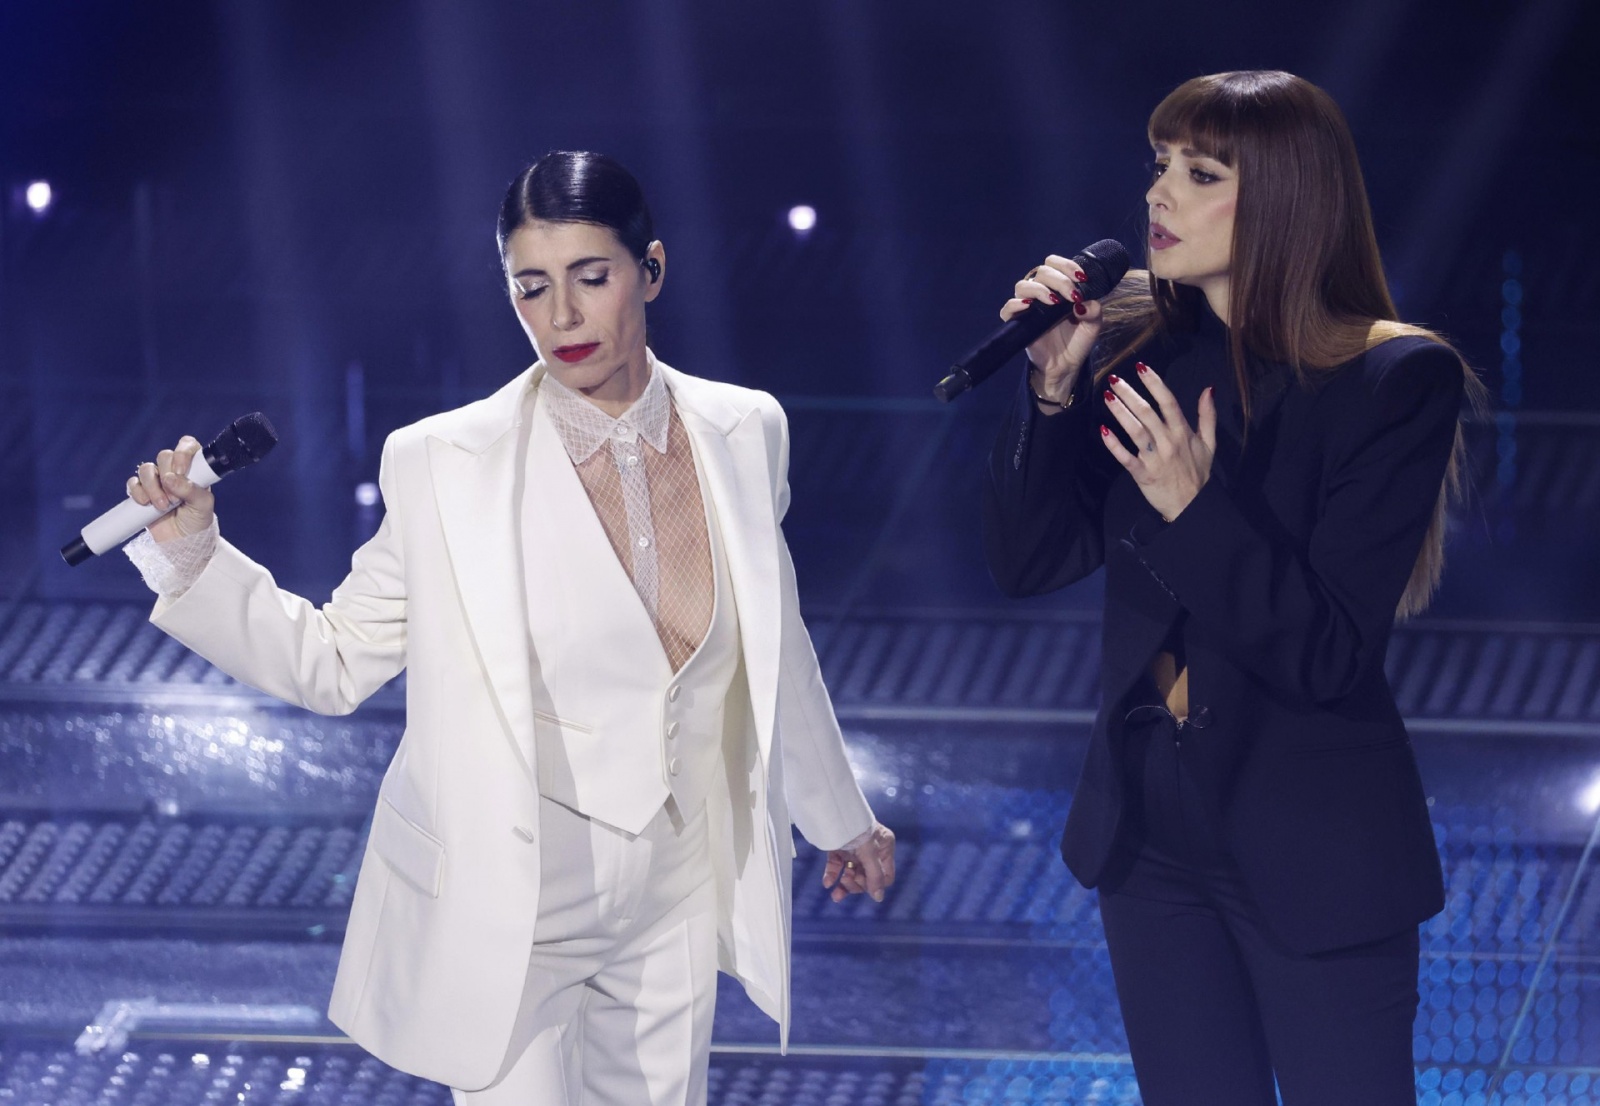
[732, 447]
[477, 466]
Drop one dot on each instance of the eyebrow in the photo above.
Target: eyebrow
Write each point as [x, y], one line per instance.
[578, 264]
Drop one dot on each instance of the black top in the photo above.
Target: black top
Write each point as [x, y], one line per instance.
[1281, 579]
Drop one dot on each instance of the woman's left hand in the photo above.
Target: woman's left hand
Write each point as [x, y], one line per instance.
[1173, 462]
[863, 865]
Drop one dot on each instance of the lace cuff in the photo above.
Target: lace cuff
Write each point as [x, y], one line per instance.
[170, 568]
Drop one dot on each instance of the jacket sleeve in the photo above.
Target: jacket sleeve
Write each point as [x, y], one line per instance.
[327, 660]
[824, 799]
[1312, 623]
[1044, 498]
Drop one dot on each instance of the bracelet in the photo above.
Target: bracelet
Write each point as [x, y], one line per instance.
[1037, 398]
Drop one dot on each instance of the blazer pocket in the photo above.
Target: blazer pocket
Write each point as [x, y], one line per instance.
[416, 855]
[564, 723]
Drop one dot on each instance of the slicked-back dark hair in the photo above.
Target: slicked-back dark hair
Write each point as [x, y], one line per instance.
[578, 186]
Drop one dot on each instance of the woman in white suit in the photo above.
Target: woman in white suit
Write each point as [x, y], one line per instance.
[613, 708]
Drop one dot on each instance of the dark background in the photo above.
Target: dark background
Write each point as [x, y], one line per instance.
[289, 206]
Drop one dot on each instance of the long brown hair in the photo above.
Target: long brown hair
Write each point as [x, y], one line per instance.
[1306, 283]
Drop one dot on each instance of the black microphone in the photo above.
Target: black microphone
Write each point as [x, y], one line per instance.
[243, 442]
[1102, 263]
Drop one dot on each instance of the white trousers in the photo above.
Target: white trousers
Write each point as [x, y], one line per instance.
[622, 983]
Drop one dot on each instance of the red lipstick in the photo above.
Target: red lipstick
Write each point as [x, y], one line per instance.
[1161, 238]
[571, 354]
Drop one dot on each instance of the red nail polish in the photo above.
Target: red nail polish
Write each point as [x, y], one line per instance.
[1080, 276]
[1077, 296]
[1081, 309]
[1110, 396]
[1055, 298]
[1141, 366]
[1027, 303]
[1105, 431]
[1114, 379]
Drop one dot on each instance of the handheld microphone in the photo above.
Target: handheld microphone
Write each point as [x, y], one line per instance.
[1103, 263]
[243, 442]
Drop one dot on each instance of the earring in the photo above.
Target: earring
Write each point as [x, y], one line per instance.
[653, 267]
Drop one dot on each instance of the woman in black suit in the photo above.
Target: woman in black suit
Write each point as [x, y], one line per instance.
[1260, 456]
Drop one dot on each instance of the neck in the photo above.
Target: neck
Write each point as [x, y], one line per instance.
[1216, 293]
[617, 392]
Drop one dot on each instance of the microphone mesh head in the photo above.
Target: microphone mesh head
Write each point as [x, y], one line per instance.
[258, 437]
[245, 441]
[1104, 263]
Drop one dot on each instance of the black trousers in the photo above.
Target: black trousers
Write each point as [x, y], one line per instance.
[1213, 1005]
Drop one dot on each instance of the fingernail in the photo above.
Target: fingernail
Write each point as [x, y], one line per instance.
[1111, 397]
[1077, 296]
[1114, 379]
[1027, 303]
[1105, 431]
[1080, 276]
[1141, 366]
[1057, 299]
[1081, 309]
[877, 896]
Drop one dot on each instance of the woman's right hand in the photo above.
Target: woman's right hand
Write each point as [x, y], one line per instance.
[1059, 353]
[165, 481]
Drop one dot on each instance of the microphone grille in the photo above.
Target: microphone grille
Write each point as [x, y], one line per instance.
[1104, 263]
[242, 442]
[258, 437]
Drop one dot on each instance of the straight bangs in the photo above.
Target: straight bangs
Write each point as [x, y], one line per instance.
[1198, 114]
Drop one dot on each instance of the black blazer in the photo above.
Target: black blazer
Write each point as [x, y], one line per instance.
[1288, 566]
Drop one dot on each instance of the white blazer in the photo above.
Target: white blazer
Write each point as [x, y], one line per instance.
[441, 927]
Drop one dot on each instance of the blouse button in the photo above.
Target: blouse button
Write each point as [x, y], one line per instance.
[644, 542]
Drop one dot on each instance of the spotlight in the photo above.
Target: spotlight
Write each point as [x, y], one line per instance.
[367, 495]
[1589, 797]
[38, 196]
[802, 218]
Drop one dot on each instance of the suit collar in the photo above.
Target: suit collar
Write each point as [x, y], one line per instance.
[477, 426]
[702, 399]
[478, 454]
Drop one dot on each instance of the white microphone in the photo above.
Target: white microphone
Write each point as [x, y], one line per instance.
[243, 442]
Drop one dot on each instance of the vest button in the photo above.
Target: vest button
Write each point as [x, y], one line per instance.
[674, 692]
[672, 729]
[673, 765]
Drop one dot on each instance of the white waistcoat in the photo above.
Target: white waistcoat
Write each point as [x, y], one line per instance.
[615, 730]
